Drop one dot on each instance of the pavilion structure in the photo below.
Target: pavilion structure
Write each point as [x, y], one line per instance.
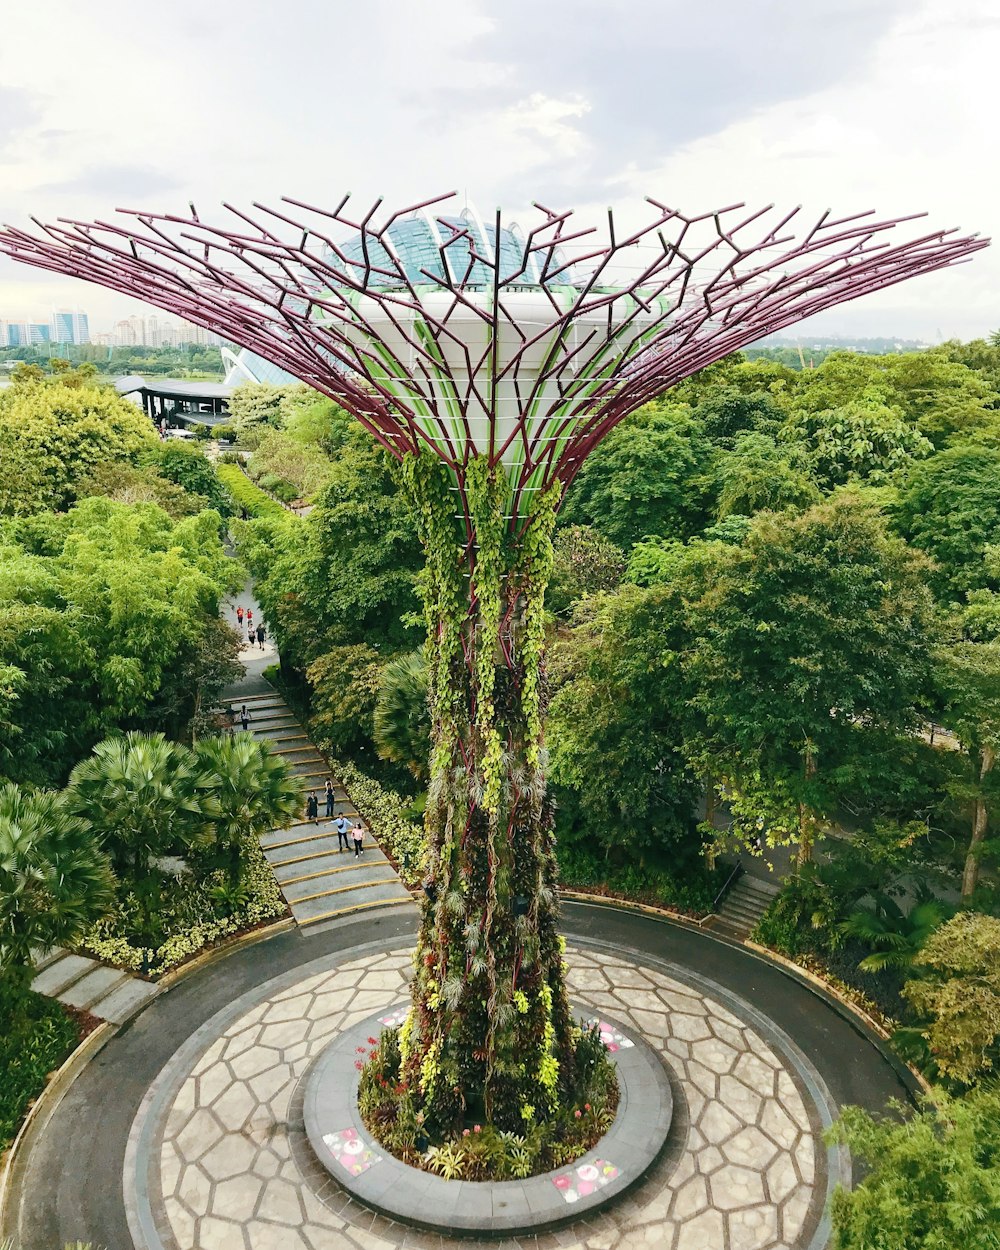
[490, 361]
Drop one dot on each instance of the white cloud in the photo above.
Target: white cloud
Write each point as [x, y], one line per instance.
[838, 103]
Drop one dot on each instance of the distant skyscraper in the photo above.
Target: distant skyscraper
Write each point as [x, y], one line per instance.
[70, 326]
[153, 332]
[124, 333]
[27, 333]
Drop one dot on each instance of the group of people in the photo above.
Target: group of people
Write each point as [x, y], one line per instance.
[346, 833]
[253, 635]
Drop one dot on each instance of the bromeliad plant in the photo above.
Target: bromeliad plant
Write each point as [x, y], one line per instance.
[480, 1152]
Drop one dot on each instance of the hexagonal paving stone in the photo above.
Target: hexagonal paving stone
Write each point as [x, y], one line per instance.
[734, 1186]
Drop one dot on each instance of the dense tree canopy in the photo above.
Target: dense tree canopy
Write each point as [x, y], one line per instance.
[55, 434]
[98, 608]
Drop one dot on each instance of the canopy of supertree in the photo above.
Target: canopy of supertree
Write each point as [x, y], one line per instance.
[490, 362]
[472, 338]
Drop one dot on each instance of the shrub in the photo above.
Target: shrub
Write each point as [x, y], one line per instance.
[245, 494]
[193, 914]
[36, 1037]
[480, 1152]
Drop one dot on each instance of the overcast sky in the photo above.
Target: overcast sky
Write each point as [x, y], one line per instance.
[849, 104]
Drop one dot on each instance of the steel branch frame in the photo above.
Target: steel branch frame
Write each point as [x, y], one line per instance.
[280, 284]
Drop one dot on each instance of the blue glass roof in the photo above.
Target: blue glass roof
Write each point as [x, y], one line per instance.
[424, 245]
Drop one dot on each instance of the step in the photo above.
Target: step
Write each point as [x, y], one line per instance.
[322, 884]
[92, 987]
[720, 925]
[41, 958]
[125, 1000]
[271, 696]
[310, 756]
[284, 733]
[365, 897]
[309, 769]
[750, 906]
[327, 863]
[293, 835]
[259, 723]
[301, 746]
[300, 849]
[62, 973]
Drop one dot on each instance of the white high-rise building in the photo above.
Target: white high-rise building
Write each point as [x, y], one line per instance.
[70, 326]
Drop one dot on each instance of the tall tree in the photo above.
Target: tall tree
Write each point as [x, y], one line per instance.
[957, 994]
[56, 433]
[933, 1181]
[950, 507]
[810, 640]
[968, 675]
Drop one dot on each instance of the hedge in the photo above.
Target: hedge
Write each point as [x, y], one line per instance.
[386, 814]
[245, 494]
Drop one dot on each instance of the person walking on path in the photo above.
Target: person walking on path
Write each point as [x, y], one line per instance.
[342, 827]
[239, 615]
[244, 718]
[250, 617]
[251, 636]
[261, 635]
[359, 838]
[329, 798]
[312, 808]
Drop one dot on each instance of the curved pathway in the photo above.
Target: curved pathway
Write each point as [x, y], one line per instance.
[71, 1183]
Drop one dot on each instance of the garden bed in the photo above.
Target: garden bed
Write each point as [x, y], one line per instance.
[194, 914]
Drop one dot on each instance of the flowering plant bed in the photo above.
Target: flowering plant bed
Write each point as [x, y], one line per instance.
[481, 1152]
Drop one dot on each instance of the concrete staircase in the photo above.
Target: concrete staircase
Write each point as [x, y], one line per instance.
[108, 993]
[744, 904]
[319, 881]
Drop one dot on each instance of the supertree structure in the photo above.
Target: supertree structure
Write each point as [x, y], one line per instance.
[489, 362]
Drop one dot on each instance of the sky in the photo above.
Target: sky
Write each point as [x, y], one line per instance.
[846, 104]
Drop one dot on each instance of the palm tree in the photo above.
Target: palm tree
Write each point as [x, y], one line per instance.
[143, 796]
[402, 713]
[896, 936]
[252, 792]
[54, 878]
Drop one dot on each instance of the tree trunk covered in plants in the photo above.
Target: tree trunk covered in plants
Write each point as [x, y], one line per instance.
[980, 820]
[489, 1035]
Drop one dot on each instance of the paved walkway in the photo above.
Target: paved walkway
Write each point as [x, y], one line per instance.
[319, 881]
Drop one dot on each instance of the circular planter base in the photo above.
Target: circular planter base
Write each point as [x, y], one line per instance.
[362, 1167]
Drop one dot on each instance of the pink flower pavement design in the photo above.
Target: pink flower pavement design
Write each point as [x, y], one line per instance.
[350, 1151]
[610, 1036]
[585, 1178]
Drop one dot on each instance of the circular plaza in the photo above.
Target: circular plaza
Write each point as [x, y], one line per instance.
[188, 1129]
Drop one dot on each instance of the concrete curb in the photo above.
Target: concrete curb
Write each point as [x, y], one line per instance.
[44, 1106]
[807, 974]
[238, 940]
[609, 900]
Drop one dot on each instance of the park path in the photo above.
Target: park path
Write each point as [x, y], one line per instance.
[320, 881]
